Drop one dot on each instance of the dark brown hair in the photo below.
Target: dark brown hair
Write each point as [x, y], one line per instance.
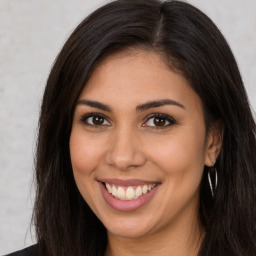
[193, 46]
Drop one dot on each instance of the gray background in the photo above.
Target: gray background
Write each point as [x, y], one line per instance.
[32, 33]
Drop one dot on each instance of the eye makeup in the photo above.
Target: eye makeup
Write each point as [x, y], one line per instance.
[154, 121]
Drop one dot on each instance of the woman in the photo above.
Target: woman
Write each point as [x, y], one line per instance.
[146, 139]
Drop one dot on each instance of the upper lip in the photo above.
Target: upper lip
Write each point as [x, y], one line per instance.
[128, 182]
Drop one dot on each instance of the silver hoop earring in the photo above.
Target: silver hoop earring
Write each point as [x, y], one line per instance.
[213, 188]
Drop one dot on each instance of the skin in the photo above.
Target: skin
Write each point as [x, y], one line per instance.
[129, 145]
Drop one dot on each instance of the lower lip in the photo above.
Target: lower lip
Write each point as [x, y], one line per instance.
[126, 205]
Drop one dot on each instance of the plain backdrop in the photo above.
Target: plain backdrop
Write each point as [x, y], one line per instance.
[32, 33]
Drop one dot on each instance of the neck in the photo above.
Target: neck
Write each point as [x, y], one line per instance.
[181, 240]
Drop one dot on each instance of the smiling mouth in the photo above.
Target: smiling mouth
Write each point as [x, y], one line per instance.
[128, 195]
[130, 192]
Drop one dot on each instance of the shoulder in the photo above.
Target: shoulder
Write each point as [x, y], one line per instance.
[29, 251]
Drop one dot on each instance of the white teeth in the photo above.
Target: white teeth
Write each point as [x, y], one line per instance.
[145, 189]
[120, 193]
[130, 193]
[114, 191]
[138, 191]
[108, 188]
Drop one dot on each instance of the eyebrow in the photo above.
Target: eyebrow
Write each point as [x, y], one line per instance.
[139, 108]
[95, 104]
[158, 103]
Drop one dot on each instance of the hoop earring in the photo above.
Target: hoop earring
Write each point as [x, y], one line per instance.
[213, 188]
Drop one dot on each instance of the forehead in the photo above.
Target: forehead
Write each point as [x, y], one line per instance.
[136, 75]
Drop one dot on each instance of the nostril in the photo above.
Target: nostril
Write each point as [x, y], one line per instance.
[123, 159]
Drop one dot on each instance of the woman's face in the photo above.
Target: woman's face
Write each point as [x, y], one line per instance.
[138, 145]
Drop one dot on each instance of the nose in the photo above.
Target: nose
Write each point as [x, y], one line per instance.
[125, 150]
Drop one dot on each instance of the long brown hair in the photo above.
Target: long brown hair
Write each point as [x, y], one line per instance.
[193, 46]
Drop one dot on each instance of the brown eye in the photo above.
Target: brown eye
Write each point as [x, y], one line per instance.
[95, 120]
[158, 121]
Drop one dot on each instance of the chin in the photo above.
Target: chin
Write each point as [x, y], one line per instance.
[128, 228]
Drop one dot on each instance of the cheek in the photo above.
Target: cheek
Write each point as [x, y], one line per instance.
[84, 154]
[181, 160]
[85, 157]
[181, 156]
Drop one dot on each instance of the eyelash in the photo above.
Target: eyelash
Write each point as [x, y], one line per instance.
[164, 117]
[84, 119]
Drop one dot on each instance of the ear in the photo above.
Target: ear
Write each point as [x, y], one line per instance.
[213, 143]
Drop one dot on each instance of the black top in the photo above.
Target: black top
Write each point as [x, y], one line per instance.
[30, 251]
